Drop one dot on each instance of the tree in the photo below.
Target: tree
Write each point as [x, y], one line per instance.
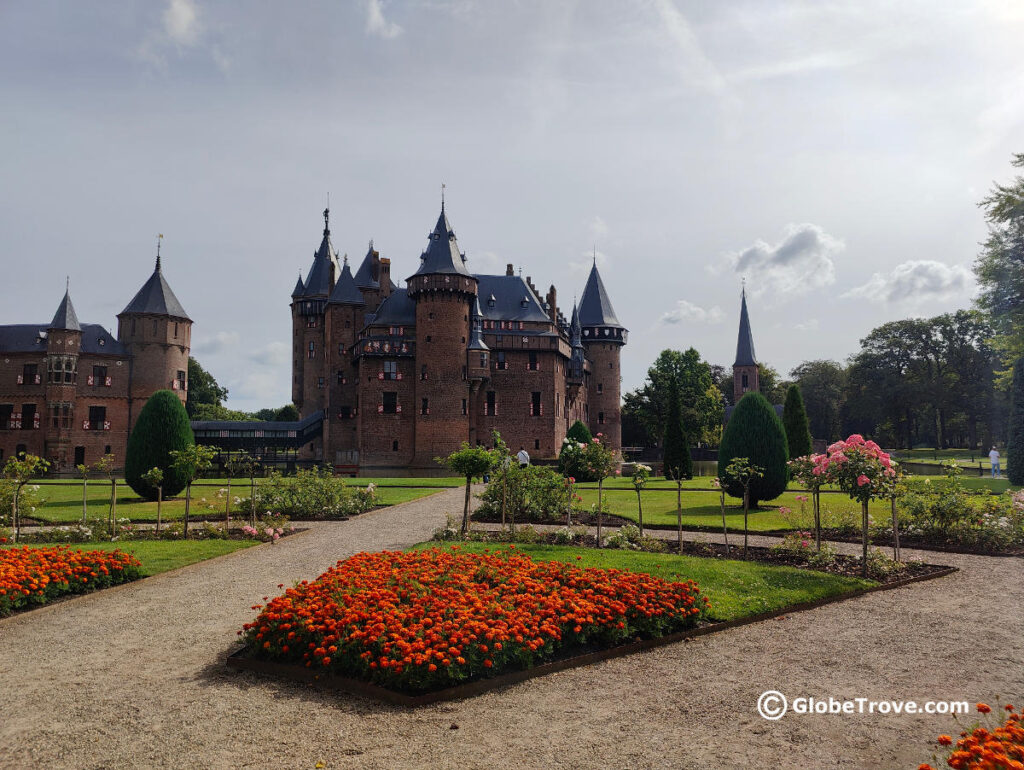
[999, 268]
[755, 432]
[287, 413]
[579, 432]
[823, 388]
[470, 462]
[740, 472]
[155, 477]
[641, 475]
[794, 420]
[83, 473]
[105, 465]
[202, 388]
[601, 462]
[188, 464]
[699, 402]
[162, 428]
[771, 384]
[676, 464]
[21, 470]
[199, 412]
[1015, 444]
[244, 464]
[571, 454]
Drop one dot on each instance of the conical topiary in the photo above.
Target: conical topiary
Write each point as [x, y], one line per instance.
[676, 462]
[794, 420]
[755, 431]
[162, 428]
[1015, 432]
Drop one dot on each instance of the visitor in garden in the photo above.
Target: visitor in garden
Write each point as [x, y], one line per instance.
[523, 457]
[993, 457]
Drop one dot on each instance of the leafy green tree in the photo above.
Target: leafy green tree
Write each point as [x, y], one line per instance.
[742, 473]
[155, 478]
[162, 428]
[771, 384]
[579, 432]
[794, 420]
[190, 463]
[677, 464]
[1015, 444]
[601, 463]
[216, 412]
[287, 413]
[570, 456]
[470, 462]
[999, 268]
[823, 388]
[202, 388]
[20, 471]
[755, 433]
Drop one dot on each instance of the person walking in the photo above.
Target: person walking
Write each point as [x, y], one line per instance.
[993, 457]
[523, 457]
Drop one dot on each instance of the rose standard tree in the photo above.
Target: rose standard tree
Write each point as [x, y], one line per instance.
[862, 470]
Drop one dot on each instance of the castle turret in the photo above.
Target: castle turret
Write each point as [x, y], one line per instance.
[157, 333]
[444, 293]
[309, 305]
[602, 338]
[745, 370]
[374, 279]
[344, 318]
[63, 346]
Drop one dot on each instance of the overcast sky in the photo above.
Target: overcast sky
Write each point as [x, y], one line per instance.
[832, 153]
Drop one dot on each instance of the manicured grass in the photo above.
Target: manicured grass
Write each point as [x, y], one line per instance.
[161, 555]
[737, 589]
[63, 500]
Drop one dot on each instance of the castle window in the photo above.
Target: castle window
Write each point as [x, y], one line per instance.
[341, 348]
[320, 382]
[423, 372]
[394, 446]
[428, 338]
[501, 363]
[430, 316]
[346, 412]
[600, 387]
[154, 329]
[536, 410]
[390, 370]
[28, 416]
[311, 322]
[532, 366]
[600, 418]
[390, 402]
[6, 410]
[134, 329]
[536, 443]
[175, 330]
[97, 416]
[181, 379]
[106, 450]
[425, 406]
[465, 407]
[745, 382]
[611, 365]
[464, 377]
[99, 375]
[397, 331]
[483, 360]
[311, 351]
[491, 405]
[30, 374]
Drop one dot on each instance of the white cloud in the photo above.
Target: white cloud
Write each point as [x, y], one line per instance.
[915, 279]
[802, 261]
[377, 24]
[687, 311]
[181, 22]
[217, 344]
[692, 63]
[810, 325]
[598, 228]
[587, 261]
[274, 354]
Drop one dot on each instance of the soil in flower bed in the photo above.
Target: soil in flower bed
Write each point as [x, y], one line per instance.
[425, 621]
[843, 565]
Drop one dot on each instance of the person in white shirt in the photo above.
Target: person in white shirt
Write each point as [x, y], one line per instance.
[523, 457]
[993, 457]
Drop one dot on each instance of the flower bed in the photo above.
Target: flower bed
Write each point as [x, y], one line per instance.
[981, 748]
[31, 576]
[424, 621]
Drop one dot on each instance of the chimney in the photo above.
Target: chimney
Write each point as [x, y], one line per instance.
[552, 300]
[508, 269]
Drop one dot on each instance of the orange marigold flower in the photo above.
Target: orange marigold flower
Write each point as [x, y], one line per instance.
[945, 740]
[983, 708]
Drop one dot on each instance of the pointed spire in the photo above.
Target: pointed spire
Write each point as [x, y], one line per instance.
[575, 332]
[66, 319]
[476, 338]
[327, 219]
[368, 275]
[442, 254]
[325, 265]
[155, 297]
[159, 238]
[300, 288]
[745, 342]
[345, 290]
[595, 305]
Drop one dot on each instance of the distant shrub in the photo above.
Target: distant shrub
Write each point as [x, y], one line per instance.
[163, 427]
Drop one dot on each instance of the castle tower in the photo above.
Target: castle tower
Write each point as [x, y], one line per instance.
[63, 345]
[344, 318]
[478, 369]
[602, 338]
[309, 343]
[374, 279]
[157, 332]
[444, 293]
[745, 370]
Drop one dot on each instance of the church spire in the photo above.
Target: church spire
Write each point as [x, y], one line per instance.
[745, 343]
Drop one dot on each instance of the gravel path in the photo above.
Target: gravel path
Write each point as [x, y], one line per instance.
[134, 677]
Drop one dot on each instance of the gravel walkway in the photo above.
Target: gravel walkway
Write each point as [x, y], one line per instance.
[134, 677]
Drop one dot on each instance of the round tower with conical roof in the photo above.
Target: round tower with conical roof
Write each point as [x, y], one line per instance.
[602, 338]
[445, 293]
[346, 310]
[63, 346]
[157, 333]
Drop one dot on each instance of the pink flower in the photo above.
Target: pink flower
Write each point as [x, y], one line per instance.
[801, 498]
[618, 472]
[862, 480]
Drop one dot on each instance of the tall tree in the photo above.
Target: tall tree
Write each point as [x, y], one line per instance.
[755, 433]
[823, 388]
[794, 418]
[1015, 444]
[1000, 267]
[772, 386]
[202, 388]
[677, 463]
[162, 429]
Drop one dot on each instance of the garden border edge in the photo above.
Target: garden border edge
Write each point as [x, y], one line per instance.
[241, 661]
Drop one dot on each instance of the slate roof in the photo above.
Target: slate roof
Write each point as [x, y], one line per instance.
[156, 298]
[502, 297]
[345, 290]
[442, 254]
[575, 334]
[595, 307]
[364, 275]
[318, 279]
[745, 343]
[300, 288]
[31, 338]
[396, 310]
[66, 318]
[476, 341]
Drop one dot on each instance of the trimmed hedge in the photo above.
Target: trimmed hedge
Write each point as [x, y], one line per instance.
[755, 431]
[794, 420]
[163, 427]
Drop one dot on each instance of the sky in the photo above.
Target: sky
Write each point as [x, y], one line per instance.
[831, 154]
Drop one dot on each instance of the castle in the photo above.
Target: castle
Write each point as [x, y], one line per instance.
[70, 392]
[405, 375]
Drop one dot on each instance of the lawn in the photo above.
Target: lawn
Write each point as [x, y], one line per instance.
[63, 499]
[737, 589]
[162, 555]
